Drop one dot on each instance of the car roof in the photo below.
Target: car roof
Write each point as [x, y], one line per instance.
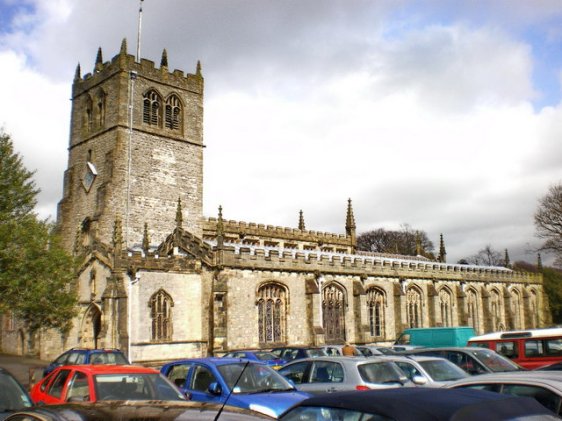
[213, 361]
[417, 358]
[344, 359]
[447, 348]
[552, 378]
[428, 403]
[109, 369]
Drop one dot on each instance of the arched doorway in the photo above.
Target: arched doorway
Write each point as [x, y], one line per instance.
[91, 327]
[333, 313]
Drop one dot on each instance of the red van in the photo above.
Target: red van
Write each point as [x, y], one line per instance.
[530, 349]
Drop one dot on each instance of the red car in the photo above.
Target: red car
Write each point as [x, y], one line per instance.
[92, 383]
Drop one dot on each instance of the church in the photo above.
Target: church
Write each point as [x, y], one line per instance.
[161, 281]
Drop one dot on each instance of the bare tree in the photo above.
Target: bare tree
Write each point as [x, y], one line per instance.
[487, 257]
[548, 221]
[405, 241]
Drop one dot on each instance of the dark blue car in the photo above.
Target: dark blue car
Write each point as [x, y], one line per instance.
[238, 382]
[78, 356]
[265, 357]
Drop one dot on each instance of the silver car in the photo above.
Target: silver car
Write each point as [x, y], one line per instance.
[428, 371]
[544, 386]
[334, 374]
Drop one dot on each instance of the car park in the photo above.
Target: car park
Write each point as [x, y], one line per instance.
[241, 383]
[264, 357]
[544, 386]
[297, 352]
[470, 359]
[13, 396]
[137, 411]
[428, 371]
[77, 356]
[333, 374]
[418, 404]
[92, 383]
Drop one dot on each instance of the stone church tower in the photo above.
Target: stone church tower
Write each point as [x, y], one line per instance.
[136, 148]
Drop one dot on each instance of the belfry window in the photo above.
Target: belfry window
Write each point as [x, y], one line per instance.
[375, 305]
[272, 308]
[152, 109]
[161, 314]
[173, 113]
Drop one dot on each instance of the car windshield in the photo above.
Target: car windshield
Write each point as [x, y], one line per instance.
[316, 352]
[443, 371]
[264, 356]
[494, 361]
[252, 378]
[301, 413]
[104, 357]
[135, 386]
[381, 372]
[12, 397]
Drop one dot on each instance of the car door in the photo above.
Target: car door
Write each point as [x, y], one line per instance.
[79, 388]
[55, 391]
[199, 379]
[317, 376]
[297, 373]
[410, 370]
[178, 373]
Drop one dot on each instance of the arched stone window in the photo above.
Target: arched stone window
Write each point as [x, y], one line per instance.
[272, 313]
[161, 304]
[414, 307]
[333, 313]
[173, 113]
[152, 108]
[88, 117]
[495, 309]
[516, 309]
[446, 306]
[376, 299]
[534, 309]
[100, 108]
[472, 308]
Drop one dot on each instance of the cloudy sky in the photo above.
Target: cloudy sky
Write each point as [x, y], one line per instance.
[445, 115]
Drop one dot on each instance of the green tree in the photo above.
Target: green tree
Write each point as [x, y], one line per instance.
[36, 274]
[552, 278]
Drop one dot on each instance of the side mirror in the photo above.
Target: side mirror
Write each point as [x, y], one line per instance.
[215, 389]
[419, 380]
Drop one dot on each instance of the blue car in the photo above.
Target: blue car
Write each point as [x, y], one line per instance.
[238, 382]
[265, 357]
[78, 356]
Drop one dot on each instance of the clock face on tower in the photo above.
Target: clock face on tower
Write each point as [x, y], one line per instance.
[89, 176]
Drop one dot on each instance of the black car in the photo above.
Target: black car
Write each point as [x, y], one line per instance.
[291, 353]
[418, 404]
[13, 396]
[137, 410]
[471, 359]
[78, 356]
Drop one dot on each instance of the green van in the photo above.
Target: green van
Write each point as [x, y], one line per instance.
[435, 337]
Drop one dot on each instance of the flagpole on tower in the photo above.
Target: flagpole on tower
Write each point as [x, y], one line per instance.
[139, 31]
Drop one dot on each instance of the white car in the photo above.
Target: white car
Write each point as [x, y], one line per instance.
[428, 371]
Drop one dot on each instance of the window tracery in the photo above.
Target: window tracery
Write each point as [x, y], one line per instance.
[152, 108]
[472, 308]
[446, 306]
[516, 309]
[173, 113]
[333, 313]
[272, 308]
[161, 304]
[414, 307]
[375, 303]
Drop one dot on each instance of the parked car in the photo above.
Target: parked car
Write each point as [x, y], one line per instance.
[337, 350]
[418, 404]
[92, 383]
[334, 374]
[428, 371]
[470, 359]
[13, 397]
[136, 411]
[544, 386]
[550, 367]
[77, 356]
[241, 383]
[263, 356]
[297, 352]
[370, 350]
